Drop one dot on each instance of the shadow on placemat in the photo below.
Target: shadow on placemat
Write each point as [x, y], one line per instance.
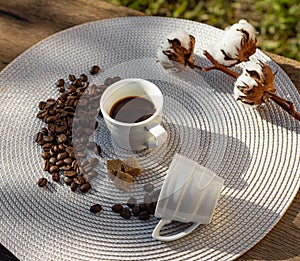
[5, 255]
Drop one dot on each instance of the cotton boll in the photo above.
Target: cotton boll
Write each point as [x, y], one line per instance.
[252, 65]
[177, 51]
[243, 85]
[182, 36]
[167, 63]
[237, 44]
[226, 52]
[245, 81]
[243, 24]
[238, 95]
[255, 85]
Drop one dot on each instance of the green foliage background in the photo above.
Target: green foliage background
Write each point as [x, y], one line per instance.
[277, 21]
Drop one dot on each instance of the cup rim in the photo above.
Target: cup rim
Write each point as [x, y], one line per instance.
[125, 124]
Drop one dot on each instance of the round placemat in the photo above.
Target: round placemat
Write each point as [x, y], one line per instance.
[255, 151]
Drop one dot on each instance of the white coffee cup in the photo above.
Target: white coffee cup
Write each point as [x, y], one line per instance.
[189, 194]
[134, 136]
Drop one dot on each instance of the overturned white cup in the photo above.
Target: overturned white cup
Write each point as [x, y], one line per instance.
[189, 194]
[140, 135]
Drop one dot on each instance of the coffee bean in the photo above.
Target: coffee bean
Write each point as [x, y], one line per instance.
[95, 69]
[91, 145]
[45, 155]
[77, 83]
[117, 208]
[53, 169]
[75, 164]
[62, 155]
[66, 167]
[42, 114]
[85, 187]
[54, 150]
[42, 182]
[68, 161]
[81, 154]
[73, 186]
[52, 112]
[69, 150]
[42, 105]
[135, 210]
[60, 129]
[84, 140]
[116, 79]
[49, 138]
[150, 208]
[90, 175]
[68, 181]
[79, 147]
[148, 187]
[88, 168]
[59, 163]
[79, 180]
[46, 165]
[53, 160]
[125, 213]
[63, 96]
[50, 100]
[44, 130]
[51, 118]
[38, 137]
[108, 81]
[62, 138]
[60, 82]
[61, 148]
[94, 162]
[84, 162]
[72, 77]
[144, 215]
[83, 78]
[131, 202]
[70, 173]
[61, 89]
[79, 170]
[142, 207]
[47, 147]
[55, 177]
[96, 208]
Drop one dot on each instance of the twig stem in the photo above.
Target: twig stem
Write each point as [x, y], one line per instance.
[286, 105]
[218, 66]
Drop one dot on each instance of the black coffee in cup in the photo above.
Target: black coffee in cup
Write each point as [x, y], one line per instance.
[132, 109]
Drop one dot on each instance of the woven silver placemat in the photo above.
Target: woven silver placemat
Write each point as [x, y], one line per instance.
[255, 151]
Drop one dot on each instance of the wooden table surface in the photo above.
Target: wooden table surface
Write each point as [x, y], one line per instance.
[25, 22]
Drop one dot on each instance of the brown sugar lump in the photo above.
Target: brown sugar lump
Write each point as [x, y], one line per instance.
[123, 180]
[113, 166]
[132, 166]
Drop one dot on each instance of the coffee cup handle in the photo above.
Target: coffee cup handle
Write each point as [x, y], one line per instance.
[159, 136]
[162, 222]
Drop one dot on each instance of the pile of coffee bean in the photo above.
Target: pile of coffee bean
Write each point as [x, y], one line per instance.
[70, 120]
[142, 210]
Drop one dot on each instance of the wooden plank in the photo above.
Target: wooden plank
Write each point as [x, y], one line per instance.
[23, 23]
